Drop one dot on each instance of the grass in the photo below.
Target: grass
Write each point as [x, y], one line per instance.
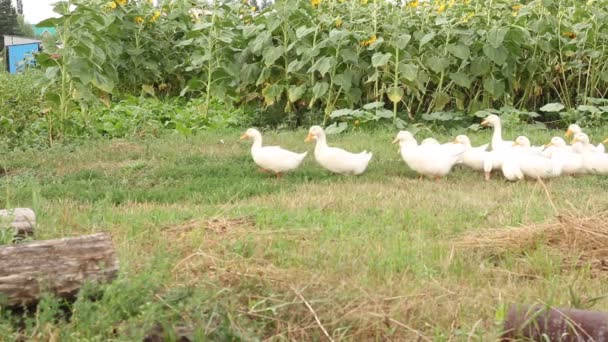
[208, 244]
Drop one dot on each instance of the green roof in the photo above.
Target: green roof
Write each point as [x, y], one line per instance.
[40, 30]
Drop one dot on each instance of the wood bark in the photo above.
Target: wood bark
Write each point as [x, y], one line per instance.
[22, 220]
[58, 266]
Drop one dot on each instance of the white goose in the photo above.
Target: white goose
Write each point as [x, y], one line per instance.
[556, 144]
[575, 129]
[336, 159]
[272, 158]
[477, 158]
[497, 142]
[594, 162]
[572, 162]
[428, 160]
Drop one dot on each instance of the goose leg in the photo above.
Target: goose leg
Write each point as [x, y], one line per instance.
[487, 176]
[437, 178]
[262, 170]
[279, 175]
[421, 178]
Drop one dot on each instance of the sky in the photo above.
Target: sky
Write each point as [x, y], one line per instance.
[38, 10]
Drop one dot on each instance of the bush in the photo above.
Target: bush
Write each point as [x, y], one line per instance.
[414, 57]
[21, 109]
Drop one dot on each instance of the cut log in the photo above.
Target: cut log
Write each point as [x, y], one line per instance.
[22, 220]
[59, 266]
[540, 323]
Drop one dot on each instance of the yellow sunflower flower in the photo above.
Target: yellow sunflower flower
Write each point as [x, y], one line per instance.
[516, 7]
[338, 22]
[139, 20]
[121, 2]
[440, 9]
[315, 3]
[413, 4]
[111, 5]
[155, 16]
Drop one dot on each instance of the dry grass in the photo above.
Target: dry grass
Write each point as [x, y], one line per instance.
[578, 238]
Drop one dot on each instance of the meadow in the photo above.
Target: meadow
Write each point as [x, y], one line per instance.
[209, 245]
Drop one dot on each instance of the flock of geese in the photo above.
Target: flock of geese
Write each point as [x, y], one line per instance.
[516, 159]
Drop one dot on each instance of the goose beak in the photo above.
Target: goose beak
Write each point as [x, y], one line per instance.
[549, 144]
[308, 137]
[244, 136]
[515, 143]
[455, 141]
[485, 123]
[574, 141]
[569, 132]
[397, 140]
[605, 141]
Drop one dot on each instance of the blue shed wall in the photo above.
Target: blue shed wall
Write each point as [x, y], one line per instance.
[16, 53]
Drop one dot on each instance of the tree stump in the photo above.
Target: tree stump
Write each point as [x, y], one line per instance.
[22, 220]
[58, 266]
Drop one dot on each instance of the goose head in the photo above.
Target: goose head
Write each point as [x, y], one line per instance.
[582, 138]
[491, 120]
[404, 137]
[573, 129]
[522, 141]
[557, 142]
[251, 133]
[605, 142]
[314, 133]
[463, 139]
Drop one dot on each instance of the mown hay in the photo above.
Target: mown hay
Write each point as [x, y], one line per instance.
[579, 238]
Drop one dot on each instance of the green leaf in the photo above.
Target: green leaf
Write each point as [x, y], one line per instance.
[272, 93]
[148, 89]
[590, 109]
[295, 93]
[303, 31]
[441, 100]
[384, 113]
[402, 40]
[395, 94]
[373, 105]
[102, 82]
[272, 54]
[340, 112]
[552, 107]
[349, 55]
[496, 36]
[249, 73]
[496, 55]
[344, 80]
[438, 64]
[426, 38]
[261, 40]
[459, 50]
[322, 65]
[494, 87]
[320, 89]
[409, 71]
[295, 65]
[380, 59]
[336, 128]
[480, 66]
[461, 78]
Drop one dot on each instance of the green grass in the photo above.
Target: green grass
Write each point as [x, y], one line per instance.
[208, 242]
